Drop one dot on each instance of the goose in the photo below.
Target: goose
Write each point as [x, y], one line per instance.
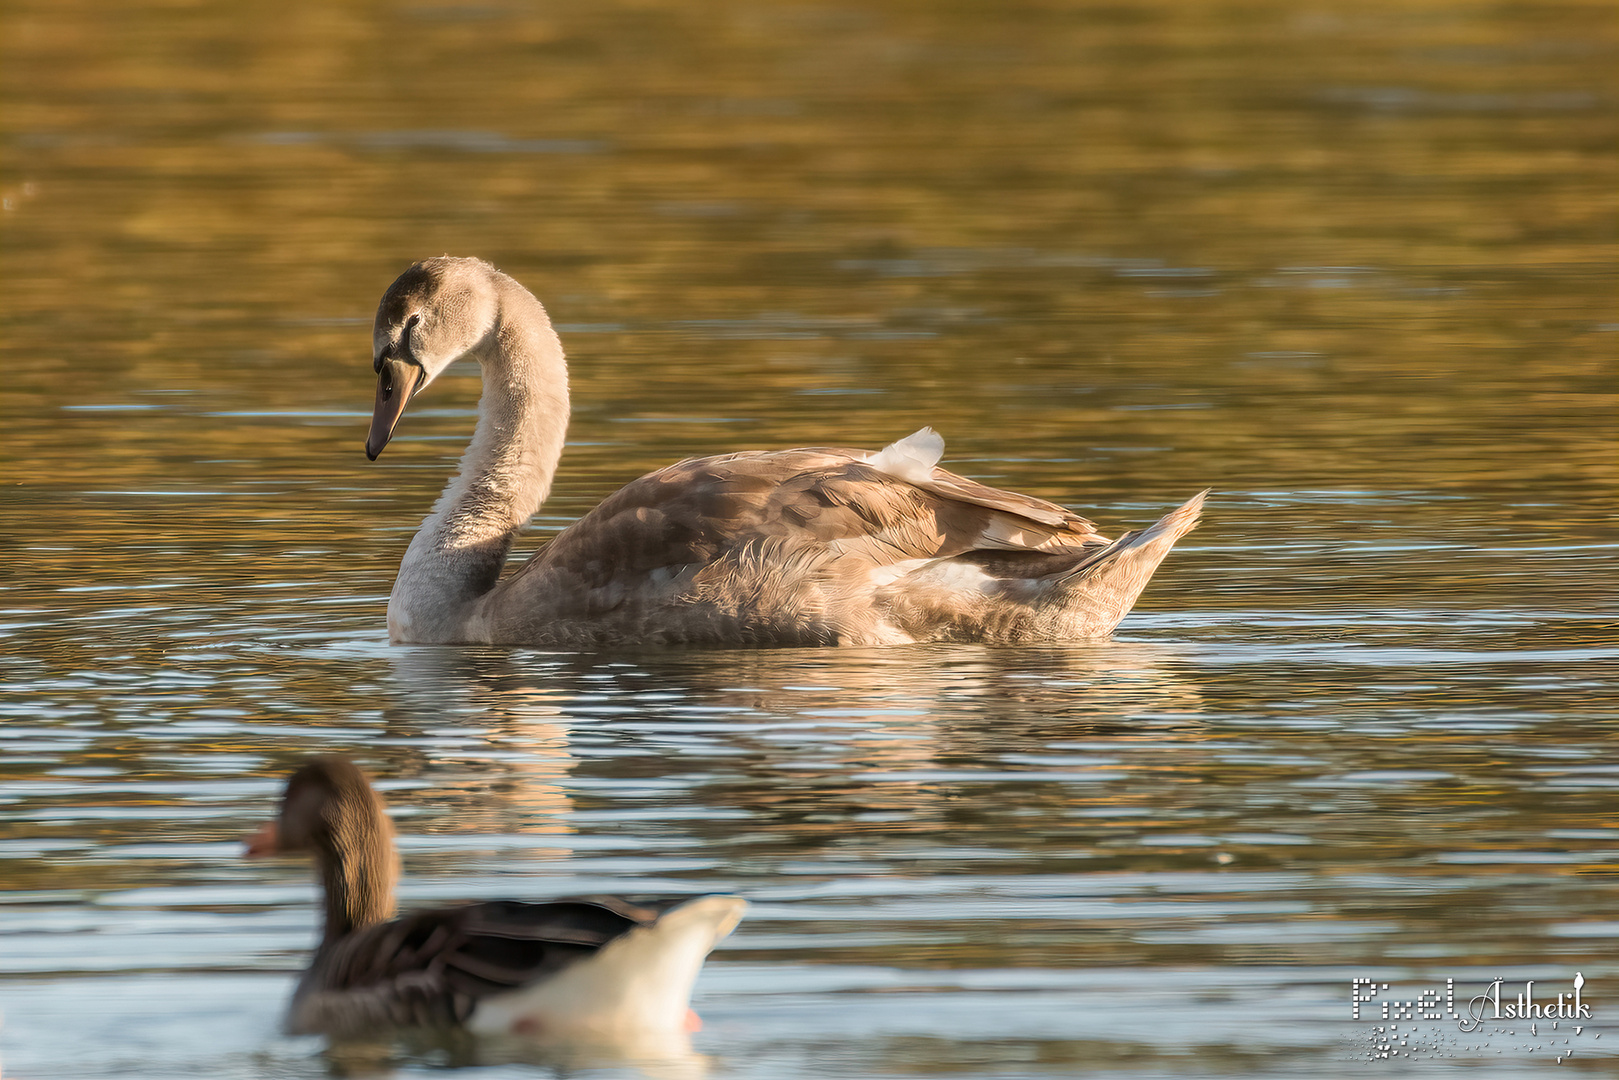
[595, 971]
[810, 546]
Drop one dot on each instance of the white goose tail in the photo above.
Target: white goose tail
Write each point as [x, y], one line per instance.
[636, 991]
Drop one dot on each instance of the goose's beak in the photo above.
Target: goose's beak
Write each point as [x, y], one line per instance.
[397, 380]
[266, 841]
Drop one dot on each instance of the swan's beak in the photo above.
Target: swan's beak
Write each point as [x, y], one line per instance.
[397, 380]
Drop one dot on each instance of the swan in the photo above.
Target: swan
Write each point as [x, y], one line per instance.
[814, 546]
[596, 971]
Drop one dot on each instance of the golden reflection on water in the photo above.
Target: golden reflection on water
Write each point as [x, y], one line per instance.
[1352, 241]
[1350, 266]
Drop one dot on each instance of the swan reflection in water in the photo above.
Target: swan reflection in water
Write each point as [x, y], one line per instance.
[831, 731]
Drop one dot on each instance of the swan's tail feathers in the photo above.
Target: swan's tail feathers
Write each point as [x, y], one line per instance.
[636, 990]
[1100, 591]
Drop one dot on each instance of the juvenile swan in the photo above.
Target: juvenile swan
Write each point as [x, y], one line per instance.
[815, 546]
[598, 971]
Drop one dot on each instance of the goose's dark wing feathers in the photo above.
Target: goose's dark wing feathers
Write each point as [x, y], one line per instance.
[431, 968]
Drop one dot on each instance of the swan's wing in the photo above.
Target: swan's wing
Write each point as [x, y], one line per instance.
[431, 968]
[830, 501]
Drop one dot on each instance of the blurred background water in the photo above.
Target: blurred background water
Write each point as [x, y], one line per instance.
[1351, 265]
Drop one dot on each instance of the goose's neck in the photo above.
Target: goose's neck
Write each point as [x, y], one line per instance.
[357, 875]
[505, 475]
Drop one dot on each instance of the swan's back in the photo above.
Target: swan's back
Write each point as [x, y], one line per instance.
[799, 547]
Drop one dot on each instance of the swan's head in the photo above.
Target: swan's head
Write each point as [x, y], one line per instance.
[436, 312]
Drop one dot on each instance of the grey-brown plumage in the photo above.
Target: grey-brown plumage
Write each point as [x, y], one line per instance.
[792, 547]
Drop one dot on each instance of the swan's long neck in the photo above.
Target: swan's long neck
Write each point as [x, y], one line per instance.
[505, 475]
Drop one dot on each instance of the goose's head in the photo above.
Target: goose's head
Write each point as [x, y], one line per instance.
[329, 806]
[331, 811]
[436, 312]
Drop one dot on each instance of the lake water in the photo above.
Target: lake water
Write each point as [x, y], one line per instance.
[1352, 266]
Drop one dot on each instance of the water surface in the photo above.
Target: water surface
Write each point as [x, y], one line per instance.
[1350, 266]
